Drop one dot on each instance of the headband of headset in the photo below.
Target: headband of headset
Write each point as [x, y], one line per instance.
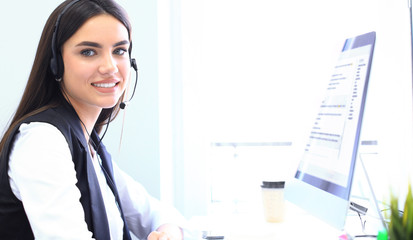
[56, 62]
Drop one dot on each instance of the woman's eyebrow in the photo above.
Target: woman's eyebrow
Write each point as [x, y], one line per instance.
[89, 44]
[124, 42]
[97, 45]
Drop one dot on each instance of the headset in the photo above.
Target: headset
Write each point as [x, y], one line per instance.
[56, 62]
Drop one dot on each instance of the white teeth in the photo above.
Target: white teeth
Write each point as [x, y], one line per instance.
[104, 85]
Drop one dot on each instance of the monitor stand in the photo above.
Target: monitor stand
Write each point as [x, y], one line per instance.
[360, 205]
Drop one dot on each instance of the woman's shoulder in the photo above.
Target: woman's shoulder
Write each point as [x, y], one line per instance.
[62, 118]
[53, 115]
[38, 127]
[39, 132]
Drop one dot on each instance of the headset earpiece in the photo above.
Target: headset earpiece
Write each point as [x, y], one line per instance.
[53, 66]
[57, 67]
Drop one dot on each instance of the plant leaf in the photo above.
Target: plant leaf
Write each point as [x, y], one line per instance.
[408, 214]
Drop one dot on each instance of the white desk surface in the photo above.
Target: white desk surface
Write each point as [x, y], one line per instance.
[297, 224]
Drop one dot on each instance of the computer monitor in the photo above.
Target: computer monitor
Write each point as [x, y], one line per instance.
[322, 183]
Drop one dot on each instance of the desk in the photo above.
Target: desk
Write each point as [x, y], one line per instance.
[297, 225]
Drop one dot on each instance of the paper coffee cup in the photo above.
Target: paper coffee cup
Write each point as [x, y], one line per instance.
[273, 200]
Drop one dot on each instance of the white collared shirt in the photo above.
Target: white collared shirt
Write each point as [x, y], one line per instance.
[43, 177]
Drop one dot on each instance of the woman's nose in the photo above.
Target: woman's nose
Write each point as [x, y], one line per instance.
[108, 65]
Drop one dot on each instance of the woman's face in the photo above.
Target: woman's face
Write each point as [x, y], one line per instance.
[96, 64]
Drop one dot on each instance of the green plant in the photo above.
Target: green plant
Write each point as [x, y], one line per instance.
[401, 223]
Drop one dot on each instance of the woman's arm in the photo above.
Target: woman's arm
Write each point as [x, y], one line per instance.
[42, 175]
[144, 214]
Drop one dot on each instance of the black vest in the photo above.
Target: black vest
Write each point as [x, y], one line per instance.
[13, 220]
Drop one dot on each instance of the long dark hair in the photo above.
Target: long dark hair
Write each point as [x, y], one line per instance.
[42, 91]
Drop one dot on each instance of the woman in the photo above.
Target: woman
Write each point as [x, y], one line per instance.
[56, 179]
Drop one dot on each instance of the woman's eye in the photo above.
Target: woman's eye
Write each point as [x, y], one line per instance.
[88, 52]
[120, 51]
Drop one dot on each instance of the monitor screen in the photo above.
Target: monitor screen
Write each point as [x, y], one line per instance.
[323, 180]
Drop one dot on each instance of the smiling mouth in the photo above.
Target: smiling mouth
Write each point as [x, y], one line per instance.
[104, 85]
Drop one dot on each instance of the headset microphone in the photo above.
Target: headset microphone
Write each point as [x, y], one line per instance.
[123, 105]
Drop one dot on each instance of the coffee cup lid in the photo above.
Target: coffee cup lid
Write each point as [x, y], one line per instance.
[267, 184]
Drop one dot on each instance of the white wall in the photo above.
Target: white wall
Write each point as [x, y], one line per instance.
[20, 33]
